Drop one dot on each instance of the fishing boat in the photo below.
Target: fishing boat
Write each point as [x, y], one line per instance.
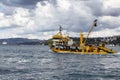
[63, 44]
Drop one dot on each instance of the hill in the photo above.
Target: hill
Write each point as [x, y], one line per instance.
[22, 41]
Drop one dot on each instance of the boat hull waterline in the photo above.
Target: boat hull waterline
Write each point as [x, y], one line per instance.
[83, 52]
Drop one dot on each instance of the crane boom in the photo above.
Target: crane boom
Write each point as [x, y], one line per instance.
[93, 25]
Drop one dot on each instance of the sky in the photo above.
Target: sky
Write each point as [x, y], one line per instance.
[40, 19]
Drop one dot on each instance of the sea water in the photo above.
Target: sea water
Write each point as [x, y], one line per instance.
[35, 62]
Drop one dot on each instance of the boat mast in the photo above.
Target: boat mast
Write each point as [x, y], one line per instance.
[60, 29]
[81, 38]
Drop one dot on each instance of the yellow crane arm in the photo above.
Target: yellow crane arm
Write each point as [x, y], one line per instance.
[93, 25]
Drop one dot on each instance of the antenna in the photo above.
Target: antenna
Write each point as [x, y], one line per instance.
[60, 28]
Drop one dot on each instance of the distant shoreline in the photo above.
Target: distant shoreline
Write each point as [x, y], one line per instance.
[113, 40]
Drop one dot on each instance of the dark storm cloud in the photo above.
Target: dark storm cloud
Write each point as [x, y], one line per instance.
[112, 12]
[22, 3]
[25, 2]
[97, 9]
[73, 15]
[95, 6]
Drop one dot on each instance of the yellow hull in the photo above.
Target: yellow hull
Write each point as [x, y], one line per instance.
[82, 52]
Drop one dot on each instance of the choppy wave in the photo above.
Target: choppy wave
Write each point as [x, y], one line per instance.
[38, 63]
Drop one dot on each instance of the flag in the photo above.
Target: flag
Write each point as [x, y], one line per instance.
[95, 23]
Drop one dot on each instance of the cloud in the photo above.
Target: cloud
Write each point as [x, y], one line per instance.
[105, 33]
[44, 19]
[22, 3]
[20, 17]
[4, 20]
[112, 12]
[102, 8]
